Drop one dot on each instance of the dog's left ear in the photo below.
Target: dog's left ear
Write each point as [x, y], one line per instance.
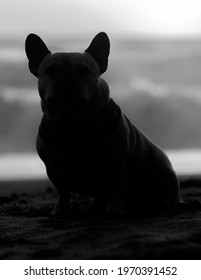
[99, 49]
[36, 50]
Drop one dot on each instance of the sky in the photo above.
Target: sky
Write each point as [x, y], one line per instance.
[120, 17]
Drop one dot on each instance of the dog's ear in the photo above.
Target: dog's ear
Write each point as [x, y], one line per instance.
[35, 50]
[99, 49]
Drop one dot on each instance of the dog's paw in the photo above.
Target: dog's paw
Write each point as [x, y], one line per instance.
[61, 209]
[60, 213]
[116, 208]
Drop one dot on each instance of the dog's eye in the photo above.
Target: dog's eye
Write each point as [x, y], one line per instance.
[52, 69]
[83, 70]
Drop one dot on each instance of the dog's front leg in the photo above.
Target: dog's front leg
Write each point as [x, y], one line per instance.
[62, 206]
[117, 186]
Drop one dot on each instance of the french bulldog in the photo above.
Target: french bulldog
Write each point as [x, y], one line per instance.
[87, 144]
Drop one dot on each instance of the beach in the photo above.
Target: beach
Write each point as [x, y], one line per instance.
[28, 231]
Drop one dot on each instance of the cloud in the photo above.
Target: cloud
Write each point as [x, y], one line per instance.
[147, 86]
[18, 94]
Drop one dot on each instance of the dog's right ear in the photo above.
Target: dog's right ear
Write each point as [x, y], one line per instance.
[35, 50]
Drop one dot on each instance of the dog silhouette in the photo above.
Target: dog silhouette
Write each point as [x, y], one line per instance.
[87, 144]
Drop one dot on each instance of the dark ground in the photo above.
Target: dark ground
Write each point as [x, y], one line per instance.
[28, 232]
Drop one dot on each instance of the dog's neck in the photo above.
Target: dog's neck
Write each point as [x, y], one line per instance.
[74, 118]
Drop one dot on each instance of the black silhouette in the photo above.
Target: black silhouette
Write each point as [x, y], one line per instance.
[87, 144]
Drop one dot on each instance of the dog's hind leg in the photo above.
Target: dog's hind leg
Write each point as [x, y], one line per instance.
[62, 206]
[170, 185]
[163, 188]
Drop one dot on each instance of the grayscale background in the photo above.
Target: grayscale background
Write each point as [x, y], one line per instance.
[154, 71]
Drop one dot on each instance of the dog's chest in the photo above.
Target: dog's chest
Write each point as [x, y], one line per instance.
[83, 141]
[73, 141]
[73, 162]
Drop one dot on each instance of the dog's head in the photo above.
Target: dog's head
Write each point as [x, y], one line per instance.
[70, 82]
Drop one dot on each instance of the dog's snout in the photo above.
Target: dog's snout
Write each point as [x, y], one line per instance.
[67, 98]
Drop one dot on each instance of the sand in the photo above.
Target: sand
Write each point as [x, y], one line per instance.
[27, 231]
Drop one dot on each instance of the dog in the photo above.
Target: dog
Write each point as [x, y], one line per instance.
[85, 141]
